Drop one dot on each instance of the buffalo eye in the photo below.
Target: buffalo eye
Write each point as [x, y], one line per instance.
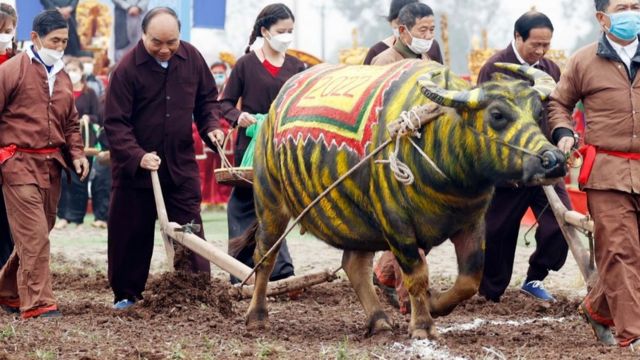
[498, 120]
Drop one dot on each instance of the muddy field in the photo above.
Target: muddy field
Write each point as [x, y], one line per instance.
[185, 317]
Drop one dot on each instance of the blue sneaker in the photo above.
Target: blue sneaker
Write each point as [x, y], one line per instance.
[123, 304]
[536, 289]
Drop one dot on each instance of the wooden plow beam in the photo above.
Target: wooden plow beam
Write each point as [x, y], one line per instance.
[569, 220]
[172, 231]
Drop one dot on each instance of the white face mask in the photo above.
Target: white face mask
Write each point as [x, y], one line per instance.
[88, 68]
[396, 33]
[75, 76]
[5, 40]
[280, 42]
[419, 46]
[49, 56]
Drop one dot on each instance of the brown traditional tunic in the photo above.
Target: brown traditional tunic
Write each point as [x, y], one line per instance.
[399, 51]
[252, 82]
[37, 111]
[6, 243]
[610, 93]
[434, 53]
[149, 108]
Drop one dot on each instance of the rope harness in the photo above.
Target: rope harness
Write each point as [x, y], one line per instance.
[409, 127]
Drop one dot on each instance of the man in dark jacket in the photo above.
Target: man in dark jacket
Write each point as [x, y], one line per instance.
[532, 38]
[154, 94]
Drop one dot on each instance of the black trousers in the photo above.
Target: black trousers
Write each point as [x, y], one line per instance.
[132, 218]
[502, 226]
[241, 213]
[6, 242]
[100, 190]
[74, 197]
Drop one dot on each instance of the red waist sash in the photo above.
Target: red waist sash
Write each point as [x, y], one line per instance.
[8, 152]
[589, 153]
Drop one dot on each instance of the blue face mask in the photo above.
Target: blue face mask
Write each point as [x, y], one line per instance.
[219, 78]
[625, 25]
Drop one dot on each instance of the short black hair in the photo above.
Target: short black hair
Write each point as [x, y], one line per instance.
[602, 5]
[531, 20]
[410, 14]
[48, 21]
[157, 11]
[396, 6]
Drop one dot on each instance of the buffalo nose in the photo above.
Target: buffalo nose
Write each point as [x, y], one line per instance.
[550, 159]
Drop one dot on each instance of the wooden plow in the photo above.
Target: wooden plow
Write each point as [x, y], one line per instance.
[570, 221]
[183, 235]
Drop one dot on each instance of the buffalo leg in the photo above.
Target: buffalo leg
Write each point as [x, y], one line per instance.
[359, 268]
[415, 277]
[470, 255]
[267, 234]
[416, 281]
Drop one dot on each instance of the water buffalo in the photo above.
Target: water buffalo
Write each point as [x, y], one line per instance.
[326, 119]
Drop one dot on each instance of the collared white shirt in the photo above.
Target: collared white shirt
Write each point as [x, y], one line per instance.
[51, 75]
[626, 53]
[520, 58]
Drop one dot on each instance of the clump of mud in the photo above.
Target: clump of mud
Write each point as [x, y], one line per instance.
[515, 304]
[78, 279]
[178, 290]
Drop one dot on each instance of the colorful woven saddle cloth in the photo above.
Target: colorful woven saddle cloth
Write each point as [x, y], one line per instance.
[335, 104]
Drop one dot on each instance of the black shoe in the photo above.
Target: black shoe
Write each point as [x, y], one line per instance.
[51, 314]
[10, 309]
[495, 299]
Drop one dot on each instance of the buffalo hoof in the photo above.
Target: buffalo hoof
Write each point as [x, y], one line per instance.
[437, 309]
[420, 334]
[378, 323]
[257, 320]
[441, 312]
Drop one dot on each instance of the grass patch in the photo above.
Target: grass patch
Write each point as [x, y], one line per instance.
[7, 332]
[41, 354]
[177, 352]
[342, 352]
[264, 350]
